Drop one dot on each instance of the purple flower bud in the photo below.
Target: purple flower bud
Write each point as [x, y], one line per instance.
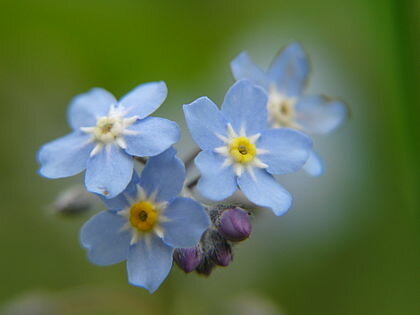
[223, 255]
[221, 251]
[187, 258]
[234, 224]
[205, 267]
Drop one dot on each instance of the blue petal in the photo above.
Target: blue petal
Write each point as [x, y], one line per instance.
[287, 150]
[121, 201]
[86, 108]
[109, 171]
[245, 106]
[144, 99]
[216, 182]
[319, 114]
[314, 165]
[103, 238]
[187, 222]
[263, 190]
[154, 135]
[244, 68]
[164, 174]
[290, 70]
[66, 156]
[148, 264]
[205, 122]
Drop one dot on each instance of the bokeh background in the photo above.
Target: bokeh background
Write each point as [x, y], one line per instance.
[350, 243]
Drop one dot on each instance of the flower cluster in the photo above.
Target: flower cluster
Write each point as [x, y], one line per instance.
[287, 106]
[154, 217]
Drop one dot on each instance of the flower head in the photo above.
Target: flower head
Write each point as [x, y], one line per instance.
[106, 135]
[287, 106]
[146, 223]
[239, 149]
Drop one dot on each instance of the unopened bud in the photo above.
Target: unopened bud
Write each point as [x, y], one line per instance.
[223, 256]
[187, 258]
[234, 224]
[221, 252]
[205, 267]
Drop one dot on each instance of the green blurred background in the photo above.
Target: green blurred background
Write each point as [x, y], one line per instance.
[348, 246]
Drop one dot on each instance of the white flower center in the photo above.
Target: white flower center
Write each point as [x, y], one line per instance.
[281, 110]
[240, 151]
[110, 129]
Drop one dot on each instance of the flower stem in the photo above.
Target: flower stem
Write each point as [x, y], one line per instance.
[191, 184]
[190, 159]
[142, 160]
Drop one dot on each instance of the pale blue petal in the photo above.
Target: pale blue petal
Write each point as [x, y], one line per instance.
[164, 174]
[290, 70]
[205, 122]
[104, 240]
[287, 150]
[187, 222]
[320, 114]
[109, 171]
[149, 263]
[154, 135]
[263, 190]
[66, 156]
[86, 108]
[314, 165]
[245, 106]
[244, 68]
[121, 201]
[216, 182]
[144, 99]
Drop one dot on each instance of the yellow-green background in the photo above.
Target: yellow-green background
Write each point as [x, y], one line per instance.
[348, 246]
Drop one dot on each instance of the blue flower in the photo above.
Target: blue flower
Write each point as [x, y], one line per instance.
[240, 150]
[287, 106]
[106, 135]
[146, 222]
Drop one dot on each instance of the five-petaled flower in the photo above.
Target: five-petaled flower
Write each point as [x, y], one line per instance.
[239, 149]
[287, 106]
[146, 222]
[106, 135]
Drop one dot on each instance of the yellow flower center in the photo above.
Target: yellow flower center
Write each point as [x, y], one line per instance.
[143, 215]
[242, 150]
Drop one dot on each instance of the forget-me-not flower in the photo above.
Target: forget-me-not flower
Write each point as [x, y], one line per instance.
[287, 106]
[106, 135]
[239, 149]
[146, 222]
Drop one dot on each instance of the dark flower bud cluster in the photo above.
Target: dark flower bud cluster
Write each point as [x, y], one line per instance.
[230, 224]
